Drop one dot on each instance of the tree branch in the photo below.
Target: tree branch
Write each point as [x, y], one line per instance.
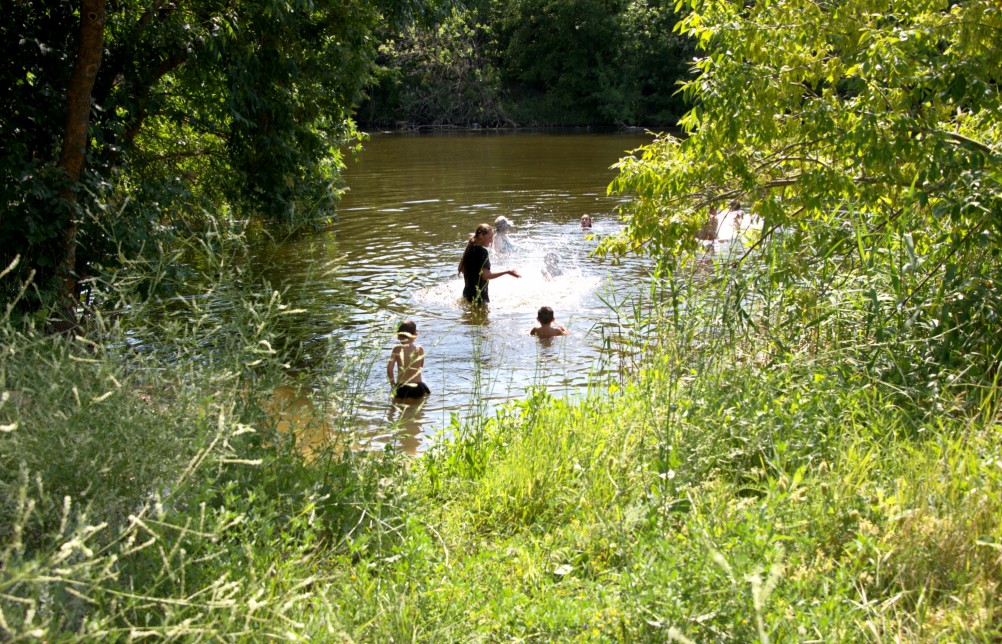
[971, 143]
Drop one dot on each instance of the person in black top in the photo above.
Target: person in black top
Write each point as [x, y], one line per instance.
[475, 266]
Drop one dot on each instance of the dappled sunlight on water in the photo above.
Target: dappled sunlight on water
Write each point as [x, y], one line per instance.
[403, 226]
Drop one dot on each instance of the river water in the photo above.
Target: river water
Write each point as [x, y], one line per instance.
[413, 200]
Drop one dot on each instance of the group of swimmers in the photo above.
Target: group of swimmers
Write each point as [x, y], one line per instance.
[406, 362]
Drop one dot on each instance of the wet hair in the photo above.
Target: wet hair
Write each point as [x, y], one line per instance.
[502, 224]
[482, 229]
[545, 315]
[406, 330]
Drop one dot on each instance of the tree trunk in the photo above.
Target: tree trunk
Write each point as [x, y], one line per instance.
[74, 151]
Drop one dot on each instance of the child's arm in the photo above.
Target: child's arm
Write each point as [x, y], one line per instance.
[389, 364]
[487, 274]
[534, 330]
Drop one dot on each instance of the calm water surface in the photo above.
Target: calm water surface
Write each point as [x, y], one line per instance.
[413, 200]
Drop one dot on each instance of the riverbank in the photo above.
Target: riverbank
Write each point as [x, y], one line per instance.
[781, 501]
[405, 127]
[741, 492]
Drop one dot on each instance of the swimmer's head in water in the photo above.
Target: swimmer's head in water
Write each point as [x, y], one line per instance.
[502, 224]
[586, 221]
[545, 315]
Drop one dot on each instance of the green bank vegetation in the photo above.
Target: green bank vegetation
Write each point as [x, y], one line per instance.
[726, 490]
[809, 448]
[135, 117]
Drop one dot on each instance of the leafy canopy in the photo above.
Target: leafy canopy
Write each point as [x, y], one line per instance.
[197, 104]
[536, 62]
[887, 108]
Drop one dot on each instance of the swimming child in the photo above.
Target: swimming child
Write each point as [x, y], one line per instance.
[407, 360]
[708, 231]
[586, 221]
[475, 266]
[502, 244]
[551, 269]
[546, 329]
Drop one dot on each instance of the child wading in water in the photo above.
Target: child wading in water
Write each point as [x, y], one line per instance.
[546, 329]
[408, 358]
[475, 266]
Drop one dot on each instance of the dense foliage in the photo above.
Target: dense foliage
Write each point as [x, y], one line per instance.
[144, 480]
[196, 104]
[537, 62]
[436, 76]
[867, 137]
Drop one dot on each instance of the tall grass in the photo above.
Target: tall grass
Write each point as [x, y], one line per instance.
[781, 467]
[796, 454]
[145, 490]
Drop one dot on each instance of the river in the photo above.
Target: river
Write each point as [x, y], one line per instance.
[392, 253]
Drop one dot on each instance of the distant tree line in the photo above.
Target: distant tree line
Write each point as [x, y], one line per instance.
[501, 63]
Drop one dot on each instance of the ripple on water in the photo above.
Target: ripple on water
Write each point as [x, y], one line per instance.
[399, 235]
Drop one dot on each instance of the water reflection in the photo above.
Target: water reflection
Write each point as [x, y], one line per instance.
[294, 414]
[405, 424]
[393, 252]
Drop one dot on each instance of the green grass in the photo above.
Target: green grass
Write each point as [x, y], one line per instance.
[745, 487]
[797, 514]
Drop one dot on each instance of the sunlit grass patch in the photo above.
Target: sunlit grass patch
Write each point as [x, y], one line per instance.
[745, 499]
[541, 460]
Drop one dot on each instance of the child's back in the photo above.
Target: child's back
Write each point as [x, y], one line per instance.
[549, 331]
[409, 360]
[406, 362]
[546, 328]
